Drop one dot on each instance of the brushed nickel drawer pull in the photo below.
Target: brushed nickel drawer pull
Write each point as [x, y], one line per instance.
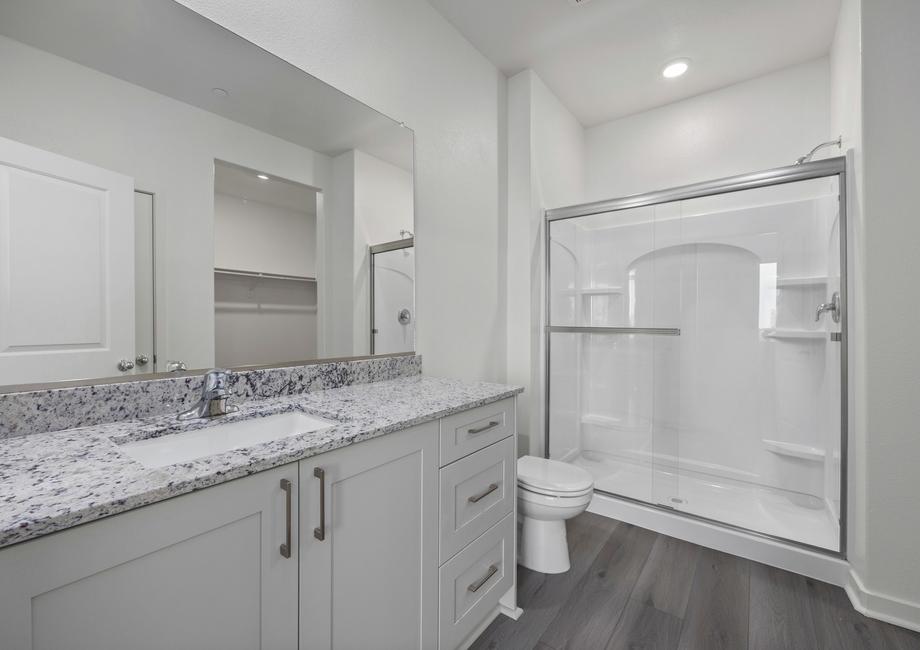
[286, 547]
[320, 532]
[476, 498]
[490, 425]
[476, 586]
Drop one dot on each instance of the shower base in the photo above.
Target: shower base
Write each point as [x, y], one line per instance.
[772, 511]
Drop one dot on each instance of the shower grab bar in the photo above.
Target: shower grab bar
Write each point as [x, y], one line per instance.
[572, 329]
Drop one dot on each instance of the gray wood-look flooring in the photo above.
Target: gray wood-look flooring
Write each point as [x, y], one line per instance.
[631, 588]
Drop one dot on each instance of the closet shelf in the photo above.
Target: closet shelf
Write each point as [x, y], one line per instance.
[814, 335]
[594, 291]
[801, 281]
[259, 274]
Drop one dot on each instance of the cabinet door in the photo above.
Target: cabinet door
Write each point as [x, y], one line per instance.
[372, 581]
[202, 570]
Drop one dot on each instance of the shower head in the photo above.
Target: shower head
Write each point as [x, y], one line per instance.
[807, 157]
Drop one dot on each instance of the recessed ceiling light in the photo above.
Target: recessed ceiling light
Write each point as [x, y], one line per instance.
[675, 68]
[219, 92]
[262, 177]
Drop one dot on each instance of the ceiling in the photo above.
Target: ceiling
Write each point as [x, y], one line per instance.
[603, 58]
[174, 51]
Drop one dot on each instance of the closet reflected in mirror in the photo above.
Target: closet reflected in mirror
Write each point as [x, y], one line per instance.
[173, 197]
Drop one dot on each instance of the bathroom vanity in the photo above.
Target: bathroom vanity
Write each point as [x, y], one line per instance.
[393, 527]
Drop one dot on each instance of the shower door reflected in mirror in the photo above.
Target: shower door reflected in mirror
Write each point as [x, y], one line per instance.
[695, 356]
[392, 304]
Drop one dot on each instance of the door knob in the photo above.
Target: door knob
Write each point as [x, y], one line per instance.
[125, 365]
[141, 359]
[404, 317]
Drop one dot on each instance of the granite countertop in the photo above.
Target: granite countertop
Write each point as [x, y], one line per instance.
[53, 481]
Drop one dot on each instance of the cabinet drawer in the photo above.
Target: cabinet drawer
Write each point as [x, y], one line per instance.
[474, 580]
[476, 492]
[466, 432]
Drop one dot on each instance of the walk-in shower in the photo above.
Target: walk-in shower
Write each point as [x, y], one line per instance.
[696, 349]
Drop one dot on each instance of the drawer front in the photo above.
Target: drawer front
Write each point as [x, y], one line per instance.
[474, 580]
[476, 493]
[469, 431]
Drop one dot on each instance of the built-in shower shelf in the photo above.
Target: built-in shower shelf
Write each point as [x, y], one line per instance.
[814, 335]
[802, 281]
[795, 450]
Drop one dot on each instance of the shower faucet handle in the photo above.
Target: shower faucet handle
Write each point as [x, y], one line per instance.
[833, 307]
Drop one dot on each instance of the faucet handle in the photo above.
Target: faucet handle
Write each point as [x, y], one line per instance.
[216, 383]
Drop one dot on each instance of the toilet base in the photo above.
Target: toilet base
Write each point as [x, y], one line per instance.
[543, 546]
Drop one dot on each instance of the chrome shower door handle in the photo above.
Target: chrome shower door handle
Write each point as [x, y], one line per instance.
[286, 547]
[833, 307]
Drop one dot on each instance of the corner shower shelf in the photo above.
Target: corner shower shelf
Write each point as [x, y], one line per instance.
[801, 281]
[814, 335]
[795, 450]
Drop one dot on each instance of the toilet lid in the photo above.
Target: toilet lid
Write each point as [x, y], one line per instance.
[545, 474]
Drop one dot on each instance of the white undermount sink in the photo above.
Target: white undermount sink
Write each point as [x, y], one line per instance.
[185, 446]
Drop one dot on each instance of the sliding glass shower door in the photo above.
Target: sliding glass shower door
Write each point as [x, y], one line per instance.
[694, 351]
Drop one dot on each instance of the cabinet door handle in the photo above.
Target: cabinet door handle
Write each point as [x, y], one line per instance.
[286, 547]
[320, 532]
[476, 498]
[476, 586]
[490, 425]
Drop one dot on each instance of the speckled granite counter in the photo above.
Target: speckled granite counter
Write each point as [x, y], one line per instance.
[52, 481]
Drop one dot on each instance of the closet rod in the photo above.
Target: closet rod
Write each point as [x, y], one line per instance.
[258, 274]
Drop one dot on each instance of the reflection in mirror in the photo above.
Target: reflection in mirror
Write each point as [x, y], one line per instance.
[177, 198]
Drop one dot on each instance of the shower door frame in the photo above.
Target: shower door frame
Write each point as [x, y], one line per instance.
[778, 176]
[395, 245]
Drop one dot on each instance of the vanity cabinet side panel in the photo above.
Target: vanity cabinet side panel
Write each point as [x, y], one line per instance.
[202, 570]
[372, 581]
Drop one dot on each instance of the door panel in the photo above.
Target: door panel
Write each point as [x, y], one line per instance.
[372, 581]
[67, 288]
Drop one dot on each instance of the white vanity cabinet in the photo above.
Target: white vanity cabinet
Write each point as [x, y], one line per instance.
[369, 544]
[203, 570]
[402, 541]
[477, 520]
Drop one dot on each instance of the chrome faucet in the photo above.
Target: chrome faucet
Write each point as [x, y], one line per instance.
[215, 393]
[833, 307]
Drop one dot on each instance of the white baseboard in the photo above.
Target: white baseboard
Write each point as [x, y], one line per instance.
[513, 614]
[896, 611]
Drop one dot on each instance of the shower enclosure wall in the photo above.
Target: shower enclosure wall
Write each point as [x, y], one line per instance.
[696, 349]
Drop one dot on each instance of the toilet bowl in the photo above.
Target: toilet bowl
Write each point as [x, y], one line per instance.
[548, 493]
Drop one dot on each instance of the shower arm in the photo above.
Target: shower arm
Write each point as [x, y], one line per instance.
[807, 157]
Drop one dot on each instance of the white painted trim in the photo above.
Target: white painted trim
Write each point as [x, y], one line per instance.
[513, 614]
[815, 565]
[896, 611]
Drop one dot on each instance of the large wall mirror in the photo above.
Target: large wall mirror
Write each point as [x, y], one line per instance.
[173, 197]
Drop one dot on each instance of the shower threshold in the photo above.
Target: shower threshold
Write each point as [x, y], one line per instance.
[770, 511]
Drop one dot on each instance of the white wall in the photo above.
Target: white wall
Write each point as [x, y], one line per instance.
[890, 106]
[404, 59]
[545, 170]
[758, 124]
[169, 149]
[253, 236]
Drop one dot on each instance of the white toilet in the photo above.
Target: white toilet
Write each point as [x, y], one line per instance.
[548, 493]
